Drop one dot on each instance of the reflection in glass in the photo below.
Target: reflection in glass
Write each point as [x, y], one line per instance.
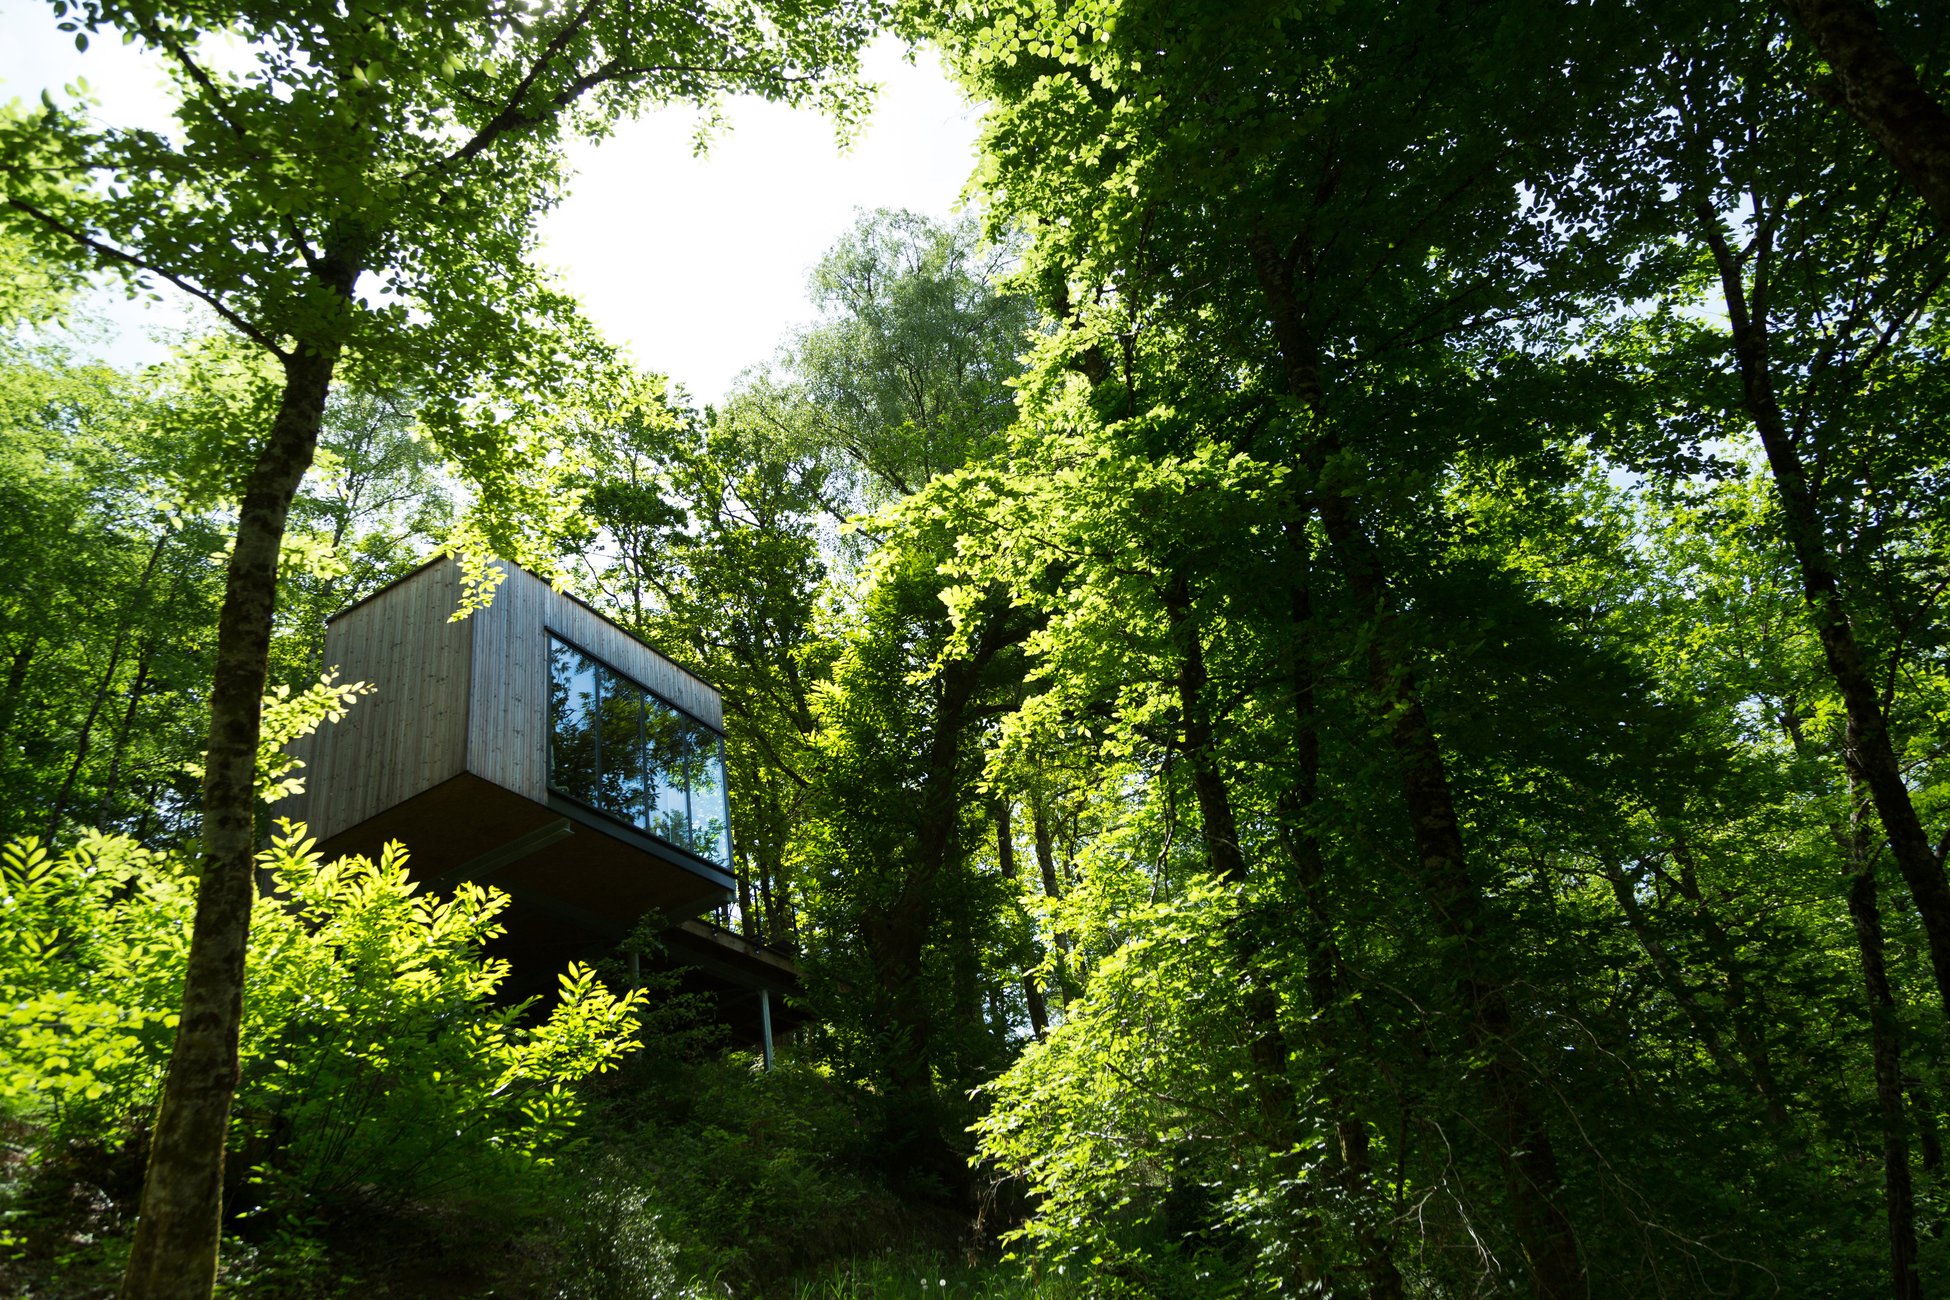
[619, 782]
[616, 747]
[710, 832]
[572, 710]
[669, 808]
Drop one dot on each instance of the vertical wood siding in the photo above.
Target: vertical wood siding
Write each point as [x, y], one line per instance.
[411, 734]
[452, 697]
[508, 724]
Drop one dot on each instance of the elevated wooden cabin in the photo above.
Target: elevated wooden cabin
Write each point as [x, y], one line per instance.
[536, 746]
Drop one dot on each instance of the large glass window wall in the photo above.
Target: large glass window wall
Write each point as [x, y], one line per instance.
[616, 747]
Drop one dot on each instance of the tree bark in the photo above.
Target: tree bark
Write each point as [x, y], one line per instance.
[1899, 1197]
[1868, 743]
[897, 934]
[174, 1254]
[17, 665]
[10, 697]
[747, 918]
[1220, 829]
[1522, 1140]
[1877, 87]
[1749, 1022]
[1063, 984]
[1623, 893]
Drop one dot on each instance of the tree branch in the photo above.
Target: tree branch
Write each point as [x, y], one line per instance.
[510, 116]
[114, 254]
[221, 107]
[511, 119]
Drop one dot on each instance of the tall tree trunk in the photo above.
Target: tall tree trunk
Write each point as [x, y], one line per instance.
[897, 934]
[174, 1254]
[10, 697]
[1899, 1197]
[1005, 860]
[1624, 892]
[1868, 742]
[1749, 1021]
[1348, 1159]
[1877, 87]
[747, 919]
[1266, 1040]
[125, 624]
[771, 932]
[1522, 1140]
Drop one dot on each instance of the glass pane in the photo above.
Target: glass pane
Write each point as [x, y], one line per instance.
[619, 785]
[704, 773]
[572, 711]
[666, 738]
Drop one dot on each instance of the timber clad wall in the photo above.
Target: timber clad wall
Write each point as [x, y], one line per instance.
[450, 697]
[411, 733]
[450, 757]
[508, 725]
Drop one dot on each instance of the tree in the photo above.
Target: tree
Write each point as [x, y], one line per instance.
[706, 541]
[359, 202]
[1343, 215]
[856, 713]
[375, 504]
[1831, 311]
[104, 628]
[1876, 85]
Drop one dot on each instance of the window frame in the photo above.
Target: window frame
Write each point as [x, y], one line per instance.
[554, 792]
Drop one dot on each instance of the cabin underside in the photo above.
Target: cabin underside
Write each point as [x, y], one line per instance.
[578, 884]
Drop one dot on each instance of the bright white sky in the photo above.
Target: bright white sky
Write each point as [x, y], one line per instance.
[697, 265]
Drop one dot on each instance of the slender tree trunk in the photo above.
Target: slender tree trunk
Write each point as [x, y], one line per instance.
[898, 938]
[125, 623]
[1005, 860]
[771, 932]
[1062, 985]
[10, 697]
[1522, 1140]
[1220, 829]
[1899, 1197]
[1623, 890]
[123, 731]
[897, 934]
[1922, 1108]
[1749, 1021]
[174, 1254]
[1877, 87]
[17, 665]
[1869, 745]
[1348, 1161]
[747, 919]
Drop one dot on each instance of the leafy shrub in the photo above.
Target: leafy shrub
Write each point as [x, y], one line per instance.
[746, 1176]
[376, 1065]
